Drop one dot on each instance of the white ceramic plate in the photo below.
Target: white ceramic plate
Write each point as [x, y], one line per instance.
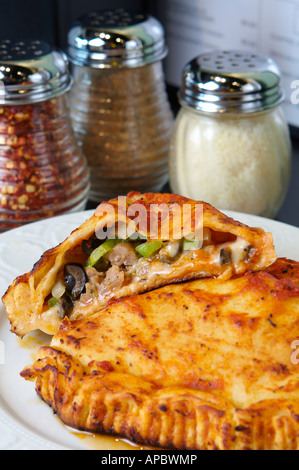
[25, 421]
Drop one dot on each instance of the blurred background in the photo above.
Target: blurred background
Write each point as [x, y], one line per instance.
[270, 27]
[50, 20]
[192, 27]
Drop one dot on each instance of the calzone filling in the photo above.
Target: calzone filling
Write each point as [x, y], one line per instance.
[114, 264]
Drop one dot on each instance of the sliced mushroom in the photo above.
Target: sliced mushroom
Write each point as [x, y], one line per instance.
[75, 279]
[65, 305]
[225, 256]
[170, 251]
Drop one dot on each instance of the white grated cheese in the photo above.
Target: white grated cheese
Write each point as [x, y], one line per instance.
[234, 163]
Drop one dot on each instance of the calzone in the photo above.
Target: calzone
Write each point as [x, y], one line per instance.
[131, 245]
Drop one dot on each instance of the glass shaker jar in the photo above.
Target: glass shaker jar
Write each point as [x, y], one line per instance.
[42, 170]
[119, 106]
[230, 145]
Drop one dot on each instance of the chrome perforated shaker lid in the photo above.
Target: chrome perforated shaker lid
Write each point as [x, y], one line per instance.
[31, 71]
[231, 82]
[116, 38]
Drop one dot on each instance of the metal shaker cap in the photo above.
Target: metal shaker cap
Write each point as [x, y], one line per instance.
[231, 82]
[116, 38]
[31, 71]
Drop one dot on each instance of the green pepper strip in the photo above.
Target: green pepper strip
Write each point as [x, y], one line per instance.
[148, 248]
[189, 245]
[52, 302]
[99, 252]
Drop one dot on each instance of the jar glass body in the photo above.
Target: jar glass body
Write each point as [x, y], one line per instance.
[123, 123]
[239, 162]
[43, 173]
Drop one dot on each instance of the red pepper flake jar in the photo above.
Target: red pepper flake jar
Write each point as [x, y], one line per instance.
[42, 170]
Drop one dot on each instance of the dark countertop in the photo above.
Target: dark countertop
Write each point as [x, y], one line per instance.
[289, 212]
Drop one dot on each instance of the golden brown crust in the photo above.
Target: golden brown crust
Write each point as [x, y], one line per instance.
[173, 417]
[25, 299]
[201, 365]
[284, 268]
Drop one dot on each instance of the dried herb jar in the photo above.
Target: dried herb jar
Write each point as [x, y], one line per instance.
[231, 145]
[43, 172]
[118, 104]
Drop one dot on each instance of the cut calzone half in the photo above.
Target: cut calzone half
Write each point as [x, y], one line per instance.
[131, 245]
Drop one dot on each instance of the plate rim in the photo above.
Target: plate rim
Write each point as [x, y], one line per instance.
[23, 432]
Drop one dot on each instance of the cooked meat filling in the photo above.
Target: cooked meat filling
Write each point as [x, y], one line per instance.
[113, 264]
[115, 278]
[123, 254]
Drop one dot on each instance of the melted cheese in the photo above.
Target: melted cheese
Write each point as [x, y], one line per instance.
[239, 250]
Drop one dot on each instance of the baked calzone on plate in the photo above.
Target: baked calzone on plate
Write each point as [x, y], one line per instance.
[206, 364]
[132, 245]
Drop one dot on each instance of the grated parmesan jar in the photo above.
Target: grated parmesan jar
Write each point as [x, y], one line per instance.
[231, 145]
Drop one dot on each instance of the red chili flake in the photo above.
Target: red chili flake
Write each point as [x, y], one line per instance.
[42, 170]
